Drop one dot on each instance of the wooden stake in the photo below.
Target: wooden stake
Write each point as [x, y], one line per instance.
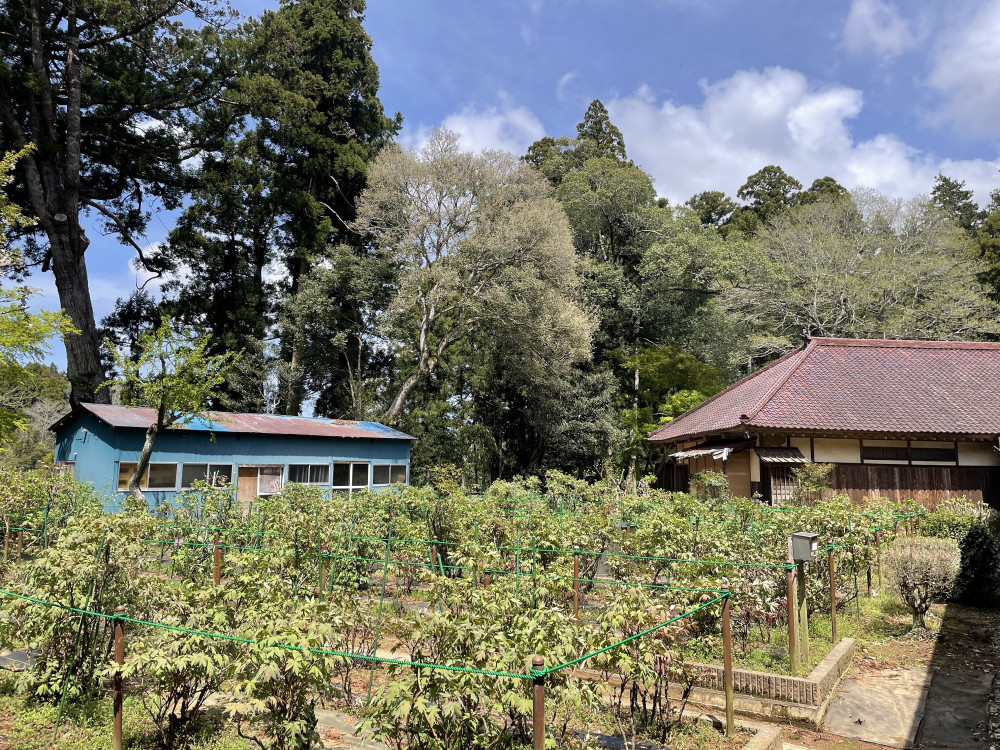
[833, 594]
[119, 691]
[793, 643]
[322, 570]
[218, 560]
[20, 544]
[878, 556]
[803, 616]
[727, 657]
[538, 705]
[576, 582]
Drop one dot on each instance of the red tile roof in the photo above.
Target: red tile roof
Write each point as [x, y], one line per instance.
[859, 385]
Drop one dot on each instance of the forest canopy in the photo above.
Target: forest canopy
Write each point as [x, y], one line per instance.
[517, 313]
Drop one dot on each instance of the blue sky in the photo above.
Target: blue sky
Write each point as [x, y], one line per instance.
[871, 92]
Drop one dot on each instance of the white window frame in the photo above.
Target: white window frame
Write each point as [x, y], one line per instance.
[145, 477]
[350, 486]
[329, 474]
[281, 478]
[208, 470]
[406, 474]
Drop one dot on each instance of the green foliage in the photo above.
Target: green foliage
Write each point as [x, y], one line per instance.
[864, 267]
[979, 575]
[93, 567]
[812, 482]
[922, 570]
[492, 629]
[279, 688]
[953, 518]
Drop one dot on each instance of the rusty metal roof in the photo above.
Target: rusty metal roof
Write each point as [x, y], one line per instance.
[258, 424]
[868, 386]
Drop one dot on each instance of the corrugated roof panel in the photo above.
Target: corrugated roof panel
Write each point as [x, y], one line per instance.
[870, 386]
[258, 424]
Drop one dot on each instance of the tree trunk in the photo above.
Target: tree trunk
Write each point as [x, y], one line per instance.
[83, 349]
[140, 468]
[395, 409]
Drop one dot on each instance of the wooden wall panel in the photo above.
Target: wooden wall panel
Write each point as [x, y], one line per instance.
[929, 485]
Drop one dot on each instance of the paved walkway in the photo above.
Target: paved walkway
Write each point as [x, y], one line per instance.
[883, 707]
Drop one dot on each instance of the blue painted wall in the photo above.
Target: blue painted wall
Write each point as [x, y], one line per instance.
[96, 449]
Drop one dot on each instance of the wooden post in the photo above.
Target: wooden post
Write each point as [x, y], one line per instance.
[486, 580]
[434, 554]
[218, 560]
[803, 616]
[576, 582]
[878, 556]
[793, 643]
[119, 691]
[322, 570]
[538, 705]
[20, 543]
[833, 594]
[727, 660]
[6, 540]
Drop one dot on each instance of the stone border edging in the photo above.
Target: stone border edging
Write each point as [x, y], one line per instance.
[765, 736]
[813, 690]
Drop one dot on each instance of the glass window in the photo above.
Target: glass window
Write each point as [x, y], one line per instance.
[269, 480]
[191, 473]
[949, 455]
[125, 469]
[162, 477]
[359, 475]
[341, 475]
[880, 453]
[214, 474]
[383, 474]
[65, 469]
[309, 473]
[380, 475]
[220, 473]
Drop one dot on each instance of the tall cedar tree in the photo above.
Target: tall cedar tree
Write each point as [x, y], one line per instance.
[109, 93]
[320, 122]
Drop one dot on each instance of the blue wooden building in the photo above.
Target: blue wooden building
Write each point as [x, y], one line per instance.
[100, 445]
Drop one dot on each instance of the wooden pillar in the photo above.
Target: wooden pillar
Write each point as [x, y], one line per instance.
[576, 582]
[803, 617]
[322, 570]
[878, 556]
[793, 643]
[727, 660]
[119, 691]
[833, 594]
[218, 560]
[538, 705]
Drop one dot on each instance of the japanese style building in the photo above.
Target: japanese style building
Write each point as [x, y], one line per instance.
[100, 444]
[896, 419]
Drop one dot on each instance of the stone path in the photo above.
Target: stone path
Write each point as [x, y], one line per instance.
[883, 707]
[956, 711]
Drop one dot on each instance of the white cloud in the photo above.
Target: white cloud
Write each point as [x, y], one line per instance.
[966, 69]
[506, 127]
[775, 116]
[562, 86]
[876, 25]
